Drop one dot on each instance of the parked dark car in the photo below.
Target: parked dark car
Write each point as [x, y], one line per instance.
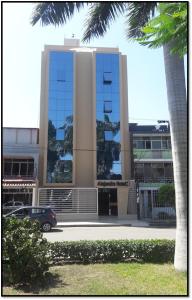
[45, 215]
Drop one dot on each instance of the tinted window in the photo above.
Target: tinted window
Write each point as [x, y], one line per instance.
[139, 171]
[148, 144]
[108, 116]
[23, 169]
[15, 169]
[168, 170]
[107, 106]
[59, 134]
[18, 167]
[23, 211]
[140, 145]
[60, 117]
[107, 77]
[38, 211]
[156, 144]
[108, 135]
[7, 168]
[158, 171]
[147, 171]
[60, 75]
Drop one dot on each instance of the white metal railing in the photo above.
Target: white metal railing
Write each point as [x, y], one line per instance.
[66, 200]
[155, 179]
[151, 208]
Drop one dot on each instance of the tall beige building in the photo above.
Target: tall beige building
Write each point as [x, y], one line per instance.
[84, 139]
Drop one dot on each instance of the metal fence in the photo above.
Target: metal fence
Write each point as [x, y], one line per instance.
[152, 209]
[74, 200]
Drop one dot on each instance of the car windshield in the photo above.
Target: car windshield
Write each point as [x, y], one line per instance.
[18, 212]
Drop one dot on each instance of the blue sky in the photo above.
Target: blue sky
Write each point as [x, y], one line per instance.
[22, 46]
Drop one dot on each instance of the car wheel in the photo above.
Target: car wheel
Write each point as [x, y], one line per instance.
[46, 227]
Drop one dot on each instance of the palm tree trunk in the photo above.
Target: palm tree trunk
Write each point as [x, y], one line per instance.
[177, 104]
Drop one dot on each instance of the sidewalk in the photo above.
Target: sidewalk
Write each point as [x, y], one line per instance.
[104, 222]
[109, 229]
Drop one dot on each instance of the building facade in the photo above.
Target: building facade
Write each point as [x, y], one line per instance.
[152, 167]
[84, 166]
[20, 166]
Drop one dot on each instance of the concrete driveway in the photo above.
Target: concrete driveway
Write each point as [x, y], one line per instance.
[67, 233]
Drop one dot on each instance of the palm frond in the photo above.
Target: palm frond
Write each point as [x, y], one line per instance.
[139, 13]
[169, 26]
[55, 13]
[100, 16]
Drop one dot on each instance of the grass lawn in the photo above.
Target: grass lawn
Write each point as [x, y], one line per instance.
[109, 279]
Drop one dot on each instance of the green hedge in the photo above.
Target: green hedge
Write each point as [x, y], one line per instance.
[156, 251]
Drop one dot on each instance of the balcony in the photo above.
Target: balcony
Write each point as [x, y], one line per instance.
[151, 154]
[155, 179]
[19, 177]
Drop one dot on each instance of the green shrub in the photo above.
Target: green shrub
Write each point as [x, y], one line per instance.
[166, 195]
[156, 251]
[25, 251]
[112, 251]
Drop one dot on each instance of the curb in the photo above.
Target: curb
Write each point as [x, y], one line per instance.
[93, 225]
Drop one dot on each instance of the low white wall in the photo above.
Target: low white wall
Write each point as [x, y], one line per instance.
[24, 136]
[76, 217]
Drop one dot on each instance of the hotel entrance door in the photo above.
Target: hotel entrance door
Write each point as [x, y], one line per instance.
[107, 202]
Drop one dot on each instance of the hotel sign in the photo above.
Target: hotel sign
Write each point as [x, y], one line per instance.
[113, 183]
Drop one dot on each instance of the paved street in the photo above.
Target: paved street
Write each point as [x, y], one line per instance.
[104, 233]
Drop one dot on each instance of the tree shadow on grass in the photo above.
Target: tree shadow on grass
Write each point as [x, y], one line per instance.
[49, 281]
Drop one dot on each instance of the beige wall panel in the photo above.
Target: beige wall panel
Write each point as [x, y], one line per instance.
[34, 136]
[43, 118]
[84, 169]
[94, 119]
[125, 146]
[122, 198]
[84, 121]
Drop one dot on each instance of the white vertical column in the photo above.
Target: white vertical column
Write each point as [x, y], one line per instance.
[34, 196]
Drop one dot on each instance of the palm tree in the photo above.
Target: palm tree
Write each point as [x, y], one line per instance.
[177, 104]
[137, 15]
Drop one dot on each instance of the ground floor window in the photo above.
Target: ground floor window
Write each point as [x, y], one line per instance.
[17, 197]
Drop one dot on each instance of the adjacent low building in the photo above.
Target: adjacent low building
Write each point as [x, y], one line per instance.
[20, 166]
[152, 166]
